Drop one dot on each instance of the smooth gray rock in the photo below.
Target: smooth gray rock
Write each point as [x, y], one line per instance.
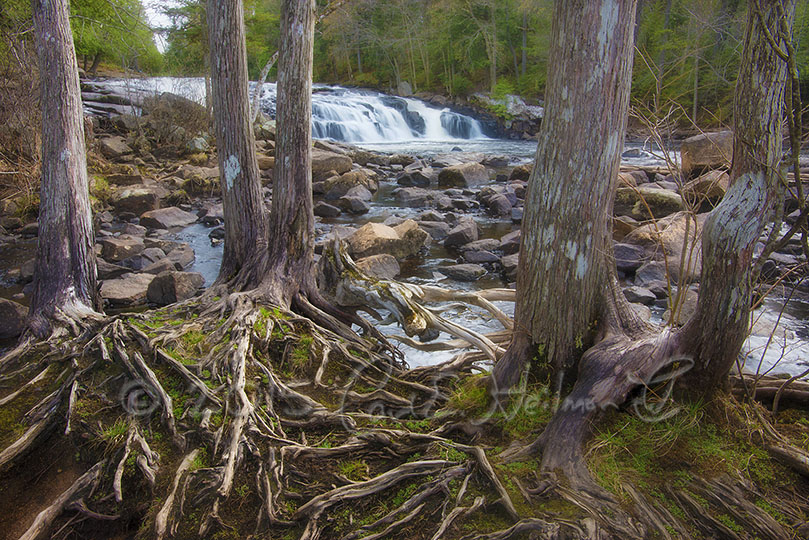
[463, 272]
[172, 286]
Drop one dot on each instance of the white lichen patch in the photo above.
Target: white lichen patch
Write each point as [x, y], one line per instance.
[65, 155]
[232, 170]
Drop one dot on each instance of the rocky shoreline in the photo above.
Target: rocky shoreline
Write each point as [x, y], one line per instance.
[155, 173]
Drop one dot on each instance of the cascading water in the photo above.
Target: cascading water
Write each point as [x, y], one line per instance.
[358, 116]
[340, 114]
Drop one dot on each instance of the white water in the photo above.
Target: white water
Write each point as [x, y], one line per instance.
[340, 114]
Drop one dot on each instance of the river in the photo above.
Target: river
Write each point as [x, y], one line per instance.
[391, 124]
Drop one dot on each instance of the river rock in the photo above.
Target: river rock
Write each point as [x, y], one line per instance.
[324, 209]
[521, 172]
[438, 230]
[661, 202]
[670, 234]
[265, 163]
[622, 226]
[418, 178]
[711, 186]
[124, 179]
[639, 295]
[161, 265]
[480, 257]
[463, 272]
[498, 205]
[337, 186]
[116, 249]
[107, 270]
[414, 197]
[197, 145]
[183, 255]
[128, 290]
[510, 263]
[650, 272]
[485, 244]
[167, 218]
[137, 199]
[114, 147]
[401, 241]
[517, 215]
[628, 257]
[12, 318]
[324, 161]
[463, 175]
[171, 286]
[706, 151]
[510, 243]
[466, 231]
[382, 266]
[353, 205]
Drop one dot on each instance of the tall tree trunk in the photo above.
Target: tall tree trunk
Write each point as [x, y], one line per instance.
[567, 237]
[524, 31]
[695, 104]
[716, 333]
[292, 218]
[65, 270]
[245, 214]
[94, 66]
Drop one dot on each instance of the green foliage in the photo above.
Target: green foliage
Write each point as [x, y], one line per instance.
[114, 30]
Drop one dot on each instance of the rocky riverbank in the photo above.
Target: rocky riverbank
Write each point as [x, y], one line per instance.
[155, 173]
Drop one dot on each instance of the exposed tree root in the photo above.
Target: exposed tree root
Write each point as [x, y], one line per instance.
[211, 406]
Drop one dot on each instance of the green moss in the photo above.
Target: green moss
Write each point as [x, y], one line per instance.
[471, 396]
[356, 469]
[116, 431]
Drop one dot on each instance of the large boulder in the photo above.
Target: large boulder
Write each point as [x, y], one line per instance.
[402, 241]
[116, 249]
[167, 218]
[638, 202]
[706, 151]
[418, 177]
[12, 318]
[667, 238]
[711, 187]
[114, 147]
[414, 197]
[382, 266]
[171, 286]
[137, 199]
[337, 186]
[463, 175]
[128, 290]
[464, 232]
[324, 161]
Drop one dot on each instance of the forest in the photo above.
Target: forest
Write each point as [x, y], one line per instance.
[210, 318]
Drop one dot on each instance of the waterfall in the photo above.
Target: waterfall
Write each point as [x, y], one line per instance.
[340, 114]
[364, 116]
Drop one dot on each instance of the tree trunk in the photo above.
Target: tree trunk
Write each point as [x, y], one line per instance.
[65, 271]
[567, 238]
[524, 30]
[245, 214]
[717, 331]
[94, 67]
[292, 218]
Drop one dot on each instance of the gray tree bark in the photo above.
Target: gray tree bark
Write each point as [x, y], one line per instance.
[65, 272]
[567, 237]
[292, 219]
[716, 333]
[246, 231]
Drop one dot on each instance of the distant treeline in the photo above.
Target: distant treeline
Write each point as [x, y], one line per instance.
[687, 51]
